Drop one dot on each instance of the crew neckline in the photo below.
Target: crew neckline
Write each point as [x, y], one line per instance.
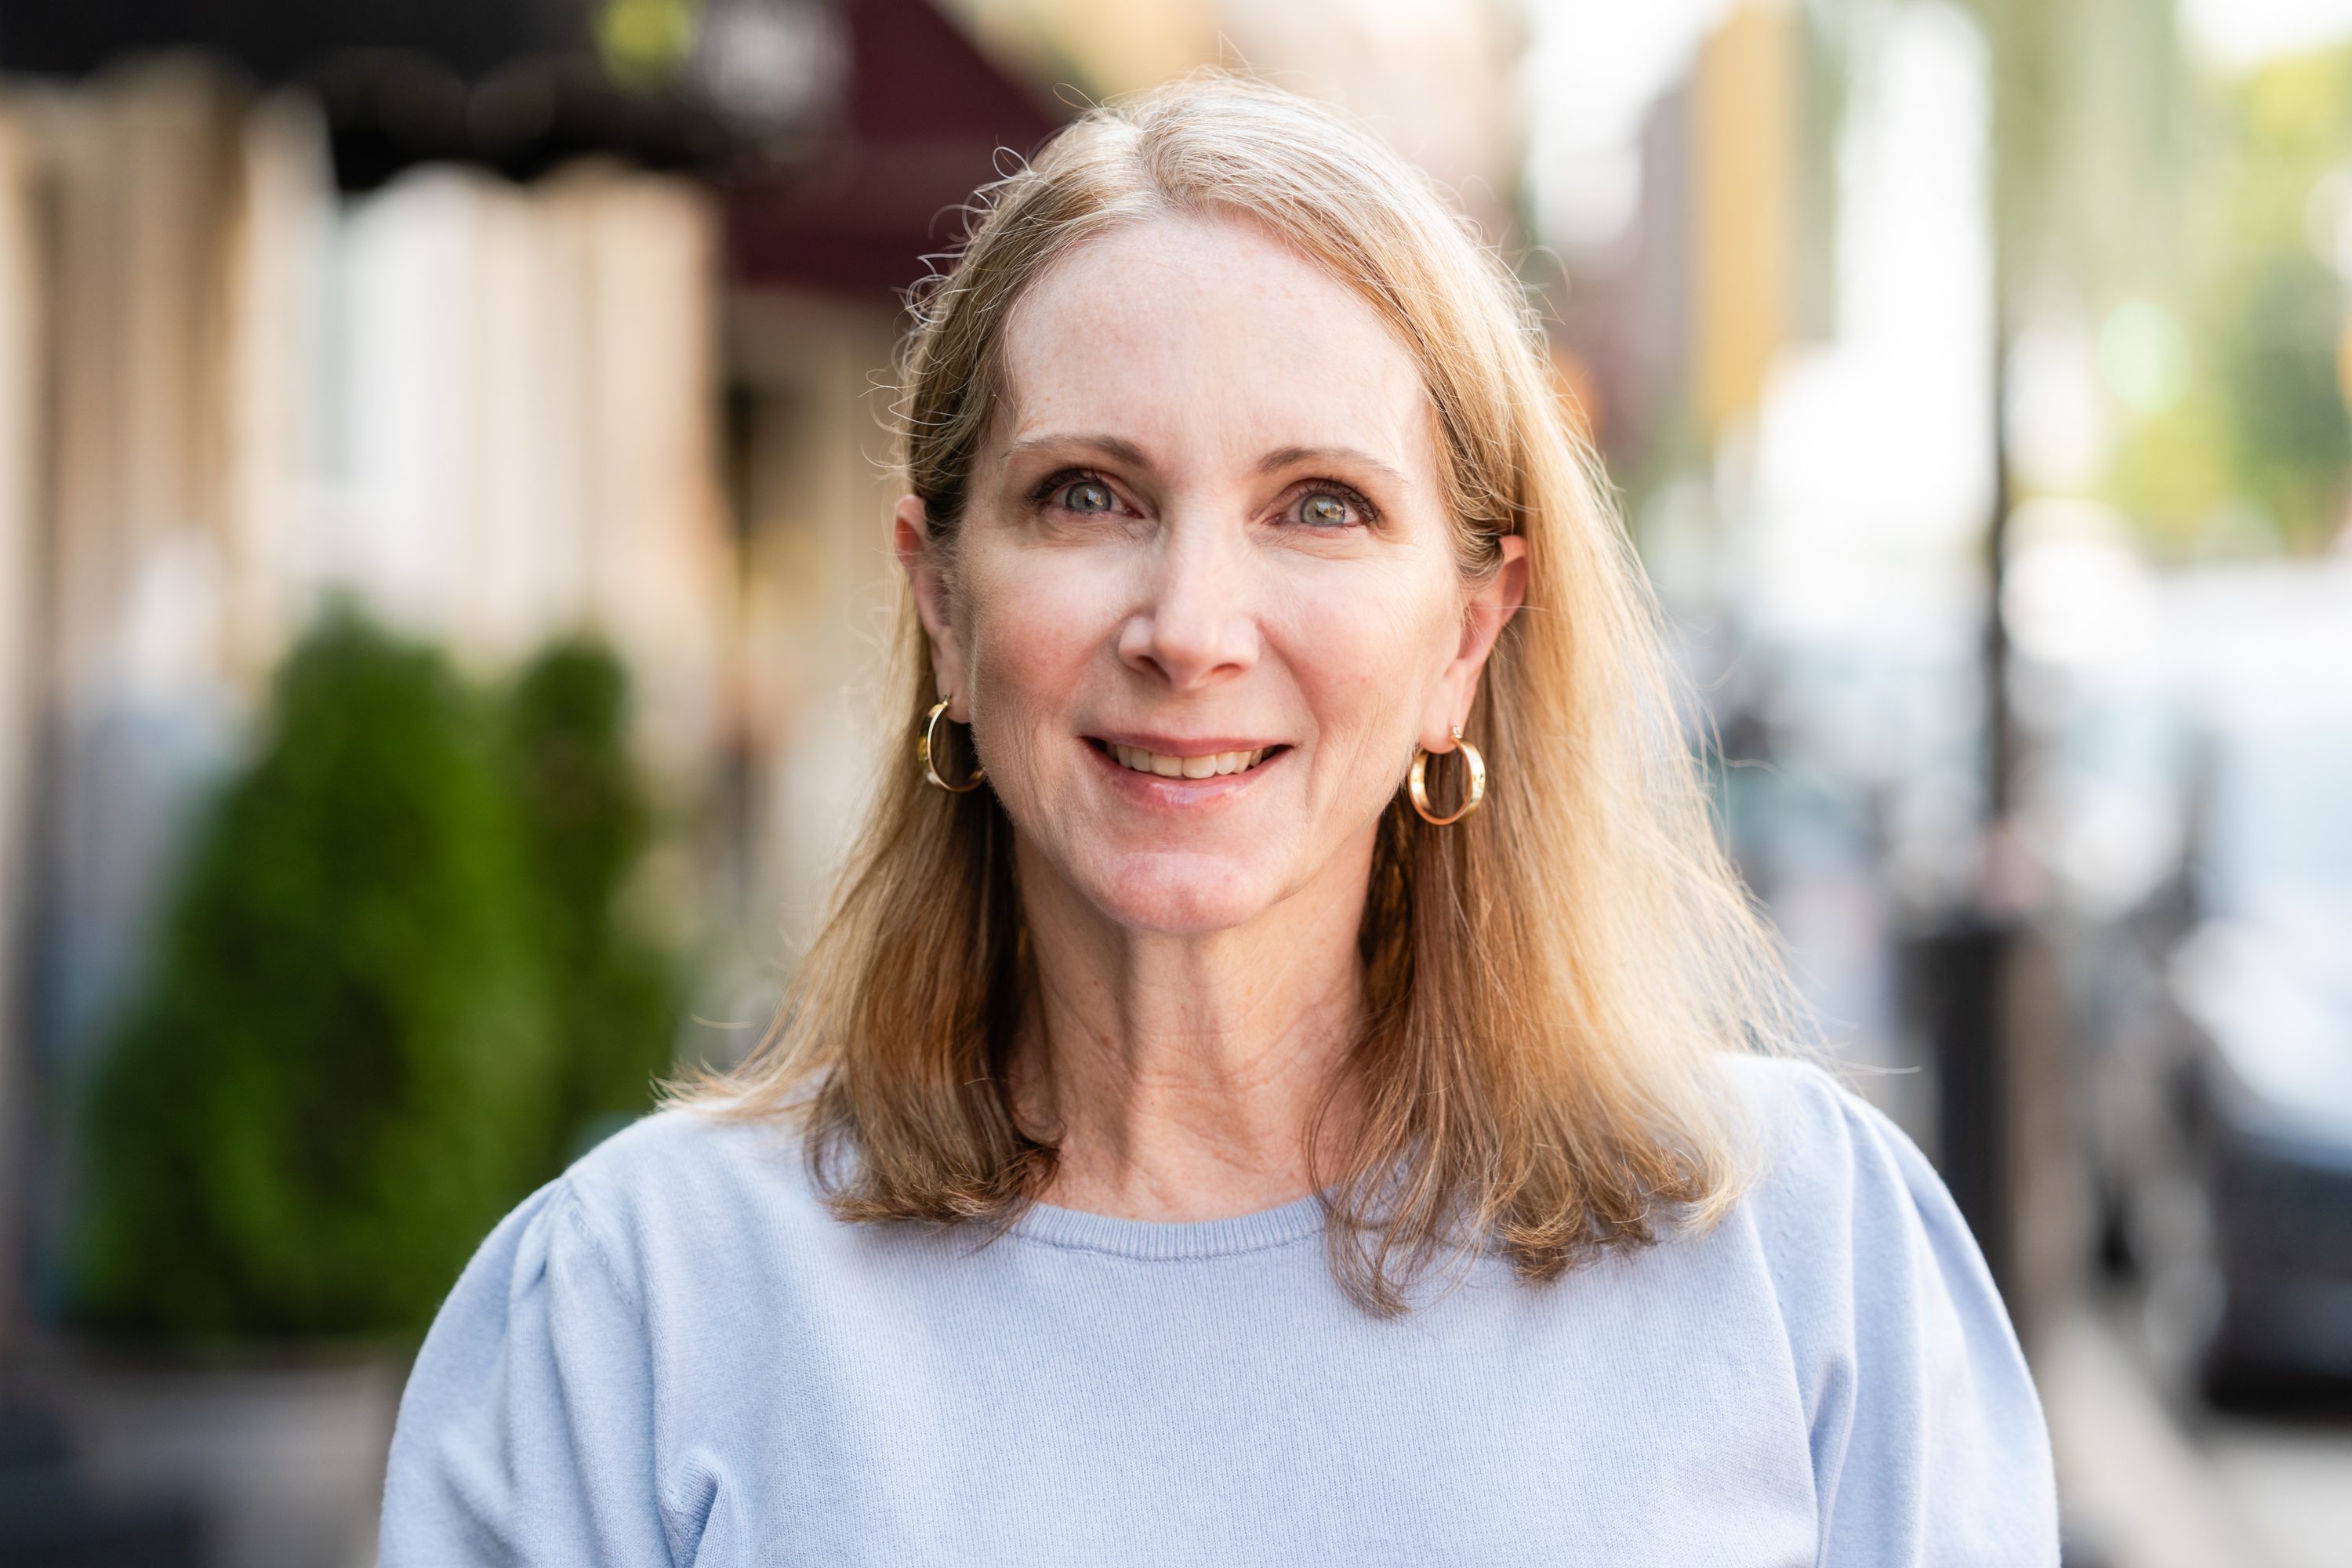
[1170, 1241]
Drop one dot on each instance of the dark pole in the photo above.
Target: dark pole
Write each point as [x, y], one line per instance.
[1968, 979]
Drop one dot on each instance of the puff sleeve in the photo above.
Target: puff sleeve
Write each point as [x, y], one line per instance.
[525, 1434]
[1929, 1442]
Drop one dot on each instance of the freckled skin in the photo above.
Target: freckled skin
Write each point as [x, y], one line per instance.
[1194, 587]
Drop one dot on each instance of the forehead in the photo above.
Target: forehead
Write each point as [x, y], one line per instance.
[1207, 335]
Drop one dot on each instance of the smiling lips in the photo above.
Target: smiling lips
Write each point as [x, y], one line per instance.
[1207, 765]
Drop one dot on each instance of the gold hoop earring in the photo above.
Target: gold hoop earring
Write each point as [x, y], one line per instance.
[925, 750]
[1419, 784]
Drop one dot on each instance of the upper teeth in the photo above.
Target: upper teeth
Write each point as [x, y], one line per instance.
[1169, 767]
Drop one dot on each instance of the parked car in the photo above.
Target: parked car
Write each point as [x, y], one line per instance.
[2190, 803]
[2261, 986]
[2214, 1001]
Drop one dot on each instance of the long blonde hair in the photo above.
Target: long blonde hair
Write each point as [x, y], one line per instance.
[1547, 984]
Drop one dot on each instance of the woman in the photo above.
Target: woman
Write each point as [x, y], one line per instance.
[1288, 1074]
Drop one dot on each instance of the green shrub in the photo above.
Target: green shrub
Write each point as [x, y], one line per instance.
[585, 822]
[387, 989]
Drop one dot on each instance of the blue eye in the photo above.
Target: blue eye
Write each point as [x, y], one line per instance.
[1087, 495]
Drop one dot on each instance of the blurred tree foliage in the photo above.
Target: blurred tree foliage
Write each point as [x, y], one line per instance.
[2091, 128]
[584, 822]
[357, 1049]
[2188, 218]
[2262, 433]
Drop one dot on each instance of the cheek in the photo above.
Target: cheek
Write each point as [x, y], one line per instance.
[1366, 648]
[1035, 623]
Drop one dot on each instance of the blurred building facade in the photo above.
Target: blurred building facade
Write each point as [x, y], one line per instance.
[501, 340]
[483, 409]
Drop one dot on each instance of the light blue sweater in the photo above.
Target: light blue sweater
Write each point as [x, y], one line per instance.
[674, 1354]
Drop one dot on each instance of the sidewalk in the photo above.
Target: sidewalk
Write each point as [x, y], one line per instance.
[2139, 1492]
[286, 1462]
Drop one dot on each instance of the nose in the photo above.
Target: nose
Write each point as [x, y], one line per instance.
[1195, 624]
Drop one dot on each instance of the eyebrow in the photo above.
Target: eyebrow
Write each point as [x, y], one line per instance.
[1292, 456]
[1125, 451]
[1113, 447]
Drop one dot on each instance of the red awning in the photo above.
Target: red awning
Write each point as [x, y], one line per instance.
[925, 116]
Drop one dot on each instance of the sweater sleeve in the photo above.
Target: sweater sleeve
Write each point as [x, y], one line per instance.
[525, 1434]
[1928, 1444]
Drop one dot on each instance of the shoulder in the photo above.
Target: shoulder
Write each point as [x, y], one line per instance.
[1923, 1413]
[679, 1177]
[684, 1187]
[596, 1254]
[568, 1304]
[1925, 1425]
[1829, 1172]
[1861, 1241]
[1855, 1227]
[1796, 1108]
[685, 1156]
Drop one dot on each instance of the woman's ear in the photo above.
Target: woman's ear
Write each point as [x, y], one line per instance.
[1489, 610]
[911, 536]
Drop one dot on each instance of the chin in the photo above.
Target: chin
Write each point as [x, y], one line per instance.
[1182, 894]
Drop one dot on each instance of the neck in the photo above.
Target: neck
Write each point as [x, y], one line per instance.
[1180, 1076]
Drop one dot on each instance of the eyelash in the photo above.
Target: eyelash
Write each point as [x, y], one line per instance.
[1055, 483]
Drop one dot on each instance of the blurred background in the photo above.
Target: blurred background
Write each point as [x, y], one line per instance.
[442, 579]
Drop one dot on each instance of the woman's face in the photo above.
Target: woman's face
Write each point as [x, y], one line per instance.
[1205, 601]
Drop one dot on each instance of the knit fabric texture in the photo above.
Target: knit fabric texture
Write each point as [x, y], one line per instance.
[674, 1354]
